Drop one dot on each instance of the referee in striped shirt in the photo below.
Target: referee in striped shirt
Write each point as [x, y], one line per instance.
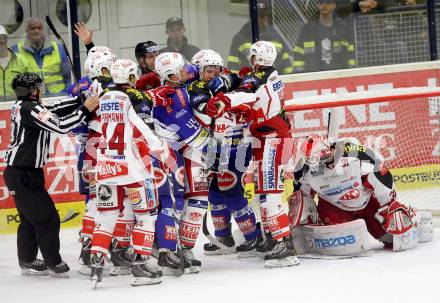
[31, 126]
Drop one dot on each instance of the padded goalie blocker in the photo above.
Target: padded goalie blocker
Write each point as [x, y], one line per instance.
[346, 239]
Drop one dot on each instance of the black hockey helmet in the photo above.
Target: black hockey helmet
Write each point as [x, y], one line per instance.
[23, 84]
[144, 48]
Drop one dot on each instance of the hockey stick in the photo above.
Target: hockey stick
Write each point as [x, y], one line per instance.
[66, 50]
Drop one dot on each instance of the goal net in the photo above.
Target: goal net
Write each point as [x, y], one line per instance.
[401, 125]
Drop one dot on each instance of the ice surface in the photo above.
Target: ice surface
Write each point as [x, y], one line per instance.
[410, 276]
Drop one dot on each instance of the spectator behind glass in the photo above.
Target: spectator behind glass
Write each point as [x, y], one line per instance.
[44, 57]
[242, 41]
[10, 67]
[177, 42]
[324, 43]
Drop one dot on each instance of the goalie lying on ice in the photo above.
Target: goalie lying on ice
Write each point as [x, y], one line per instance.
[354, 190]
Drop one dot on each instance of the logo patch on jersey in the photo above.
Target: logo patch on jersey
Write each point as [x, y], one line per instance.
[180, 176]
[351, 195]
[277, 85]
[246, 226]
[110, 169]
[104, 192]
[134, 195]
[159, 177]
[195, 216]
[170, 233]
[226, 180]
[219, 222]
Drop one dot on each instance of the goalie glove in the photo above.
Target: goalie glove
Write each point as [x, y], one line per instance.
[395, 217]
[217, 105]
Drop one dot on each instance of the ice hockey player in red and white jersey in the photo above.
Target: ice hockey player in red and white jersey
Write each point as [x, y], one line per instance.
[259, 101]
[123, 169]
[97, 67]
[351, 182]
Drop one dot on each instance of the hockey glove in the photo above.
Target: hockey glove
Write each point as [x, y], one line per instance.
[162, 96]
[395, 217]
[244, 71]
[243, 112]
[218, 105]
[148, 81]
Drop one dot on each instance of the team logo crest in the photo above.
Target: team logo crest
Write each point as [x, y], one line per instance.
[353, 194]
[226, 180]
[104, 192]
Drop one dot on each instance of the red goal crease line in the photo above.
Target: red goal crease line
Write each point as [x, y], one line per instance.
[360, 98]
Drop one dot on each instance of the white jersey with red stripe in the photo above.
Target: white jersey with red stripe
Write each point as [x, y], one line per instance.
[126, 142]
[263, 91]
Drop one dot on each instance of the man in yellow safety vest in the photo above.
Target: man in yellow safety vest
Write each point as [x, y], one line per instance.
[10, 67]
[44, 57]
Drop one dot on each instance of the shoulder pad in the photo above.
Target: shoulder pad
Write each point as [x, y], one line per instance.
[136, 94]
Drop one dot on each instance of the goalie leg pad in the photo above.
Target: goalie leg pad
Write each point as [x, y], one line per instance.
[345, 239]
[425, 229]
[302, 209]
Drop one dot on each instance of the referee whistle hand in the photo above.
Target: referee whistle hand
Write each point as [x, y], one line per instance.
[92, 103]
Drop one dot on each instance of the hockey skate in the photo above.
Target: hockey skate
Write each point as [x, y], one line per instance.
[120, 259]
[34, 268]
[282, 254]
[170, 263]
[248, 248]
[84, 257]
[97, 268]
[192, 265]
[61, 270]
[211, 249]
[265, 247]
[144, 272]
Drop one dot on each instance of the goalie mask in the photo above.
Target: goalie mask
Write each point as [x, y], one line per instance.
[315, 151]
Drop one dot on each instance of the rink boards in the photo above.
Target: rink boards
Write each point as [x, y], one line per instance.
[62, 178]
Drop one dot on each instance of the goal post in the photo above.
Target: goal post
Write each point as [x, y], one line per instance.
[402, 125]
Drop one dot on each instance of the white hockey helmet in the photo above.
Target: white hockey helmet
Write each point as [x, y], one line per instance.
[167, 64]
[124, 71]
[94, 68]
[265, 53]
[101, 51]
[207, 57]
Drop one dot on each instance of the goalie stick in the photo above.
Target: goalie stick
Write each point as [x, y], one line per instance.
[66, 50]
